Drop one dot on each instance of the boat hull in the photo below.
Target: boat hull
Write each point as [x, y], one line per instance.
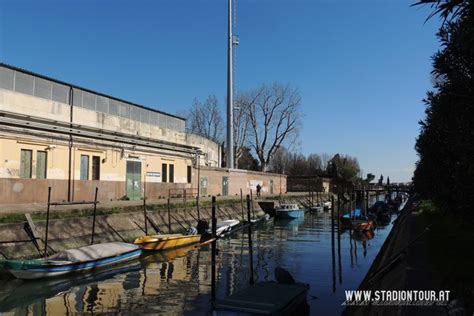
[291, 214]
[363, 225]
[37, 269]
[165, 242]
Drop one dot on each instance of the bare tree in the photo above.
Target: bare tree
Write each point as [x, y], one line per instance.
[241, 127]
[314, 164]
[205, 118]
[281, 161]
[274, 114]
[325, 158]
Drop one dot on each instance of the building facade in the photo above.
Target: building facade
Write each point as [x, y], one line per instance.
[59, 135]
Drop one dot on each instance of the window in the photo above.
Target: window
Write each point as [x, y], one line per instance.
[41, 164]
[84, 167]
[95, 168]
[189, 174]
[164, 172]
[171, 173]
[25, 163]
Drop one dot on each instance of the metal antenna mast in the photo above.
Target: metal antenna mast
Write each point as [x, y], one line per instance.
[230, 93]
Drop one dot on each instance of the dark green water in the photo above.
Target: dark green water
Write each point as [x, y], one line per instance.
[179, 282]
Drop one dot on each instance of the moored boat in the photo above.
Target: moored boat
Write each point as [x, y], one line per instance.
[363, 224]
[166, 241]
[225, 226]
[317, 208]
[73, 260]
[356, 221]
[288, 211]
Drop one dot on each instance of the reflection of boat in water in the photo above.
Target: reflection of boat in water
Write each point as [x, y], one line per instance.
[168, 255]
[288, 222]
[166, 241]
[20, 293]
[288, 211]
[363, 235]
[73, 260]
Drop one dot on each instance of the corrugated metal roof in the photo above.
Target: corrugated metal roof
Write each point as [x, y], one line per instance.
[86, 89]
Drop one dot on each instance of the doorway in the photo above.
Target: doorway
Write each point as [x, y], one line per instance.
[134, 180]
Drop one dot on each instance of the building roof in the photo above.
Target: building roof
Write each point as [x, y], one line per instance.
[87, 90]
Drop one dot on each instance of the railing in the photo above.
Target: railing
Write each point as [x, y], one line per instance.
[183, 193]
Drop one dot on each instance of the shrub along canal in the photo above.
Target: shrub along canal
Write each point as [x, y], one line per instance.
[179, 281]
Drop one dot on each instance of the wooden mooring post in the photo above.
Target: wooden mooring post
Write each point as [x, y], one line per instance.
[169, 217]
[197, 207]
[94, 215]
[47, 224]
[250, 240]
[242, 205]
[144, 214]
[333, 252]
[213, 250]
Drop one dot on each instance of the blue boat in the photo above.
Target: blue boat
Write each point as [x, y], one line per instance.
[288, 211]
[73, 260]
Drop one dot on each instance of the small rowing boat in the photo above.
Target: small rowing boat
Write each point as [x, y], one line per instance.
[73, 260]
[288, 211]
[225, 226]
[166, 241]
[317, 209]
[363, 224]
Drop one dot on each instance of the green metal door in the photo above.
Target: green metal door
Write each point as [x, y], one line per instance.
[271, 186]
[203, 186]
[225, 186]
[134, 180]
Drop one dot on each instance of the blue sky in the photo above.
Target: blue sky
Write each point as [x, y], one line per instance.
[362, 67]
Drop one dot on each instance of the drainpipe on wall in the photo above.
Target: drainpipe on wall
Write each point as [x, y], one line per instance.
[70, 196]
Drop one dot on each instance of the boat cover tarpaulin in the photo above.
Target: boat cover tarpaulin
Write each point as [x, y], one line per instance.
[94, 252]
[354, 213]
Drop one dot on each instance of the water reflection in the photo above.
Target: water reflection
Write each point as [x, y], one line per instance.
[312, 248]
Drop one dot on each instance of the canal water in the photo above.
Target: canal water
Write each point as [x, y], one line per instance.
[179, 282]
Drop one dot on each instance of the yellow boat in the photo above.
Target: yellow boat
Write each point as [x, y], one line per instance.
[166, 241]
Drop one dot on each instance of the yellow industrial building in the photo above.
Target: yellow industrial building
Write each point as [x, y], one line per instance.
[57, 134]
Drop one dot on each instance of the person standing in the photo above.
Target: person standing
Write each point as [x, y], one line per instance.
[258, 190]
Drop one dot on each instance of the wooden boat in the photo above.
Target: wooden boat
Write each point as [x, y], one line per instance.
[356, 221]
[288, 211]
[268, 298]
[327, 205]
[73, 260]
[225, 226]
[363, 225]
[317, 209]
[166, 241]
[347, 219]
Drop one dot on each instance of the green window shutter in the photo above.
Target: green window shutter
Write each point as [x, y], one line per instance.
[164, 172]
[25, 163]
[171, 173]
[84, 167]
[95, 168]
[189, 174]
[41, 164]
